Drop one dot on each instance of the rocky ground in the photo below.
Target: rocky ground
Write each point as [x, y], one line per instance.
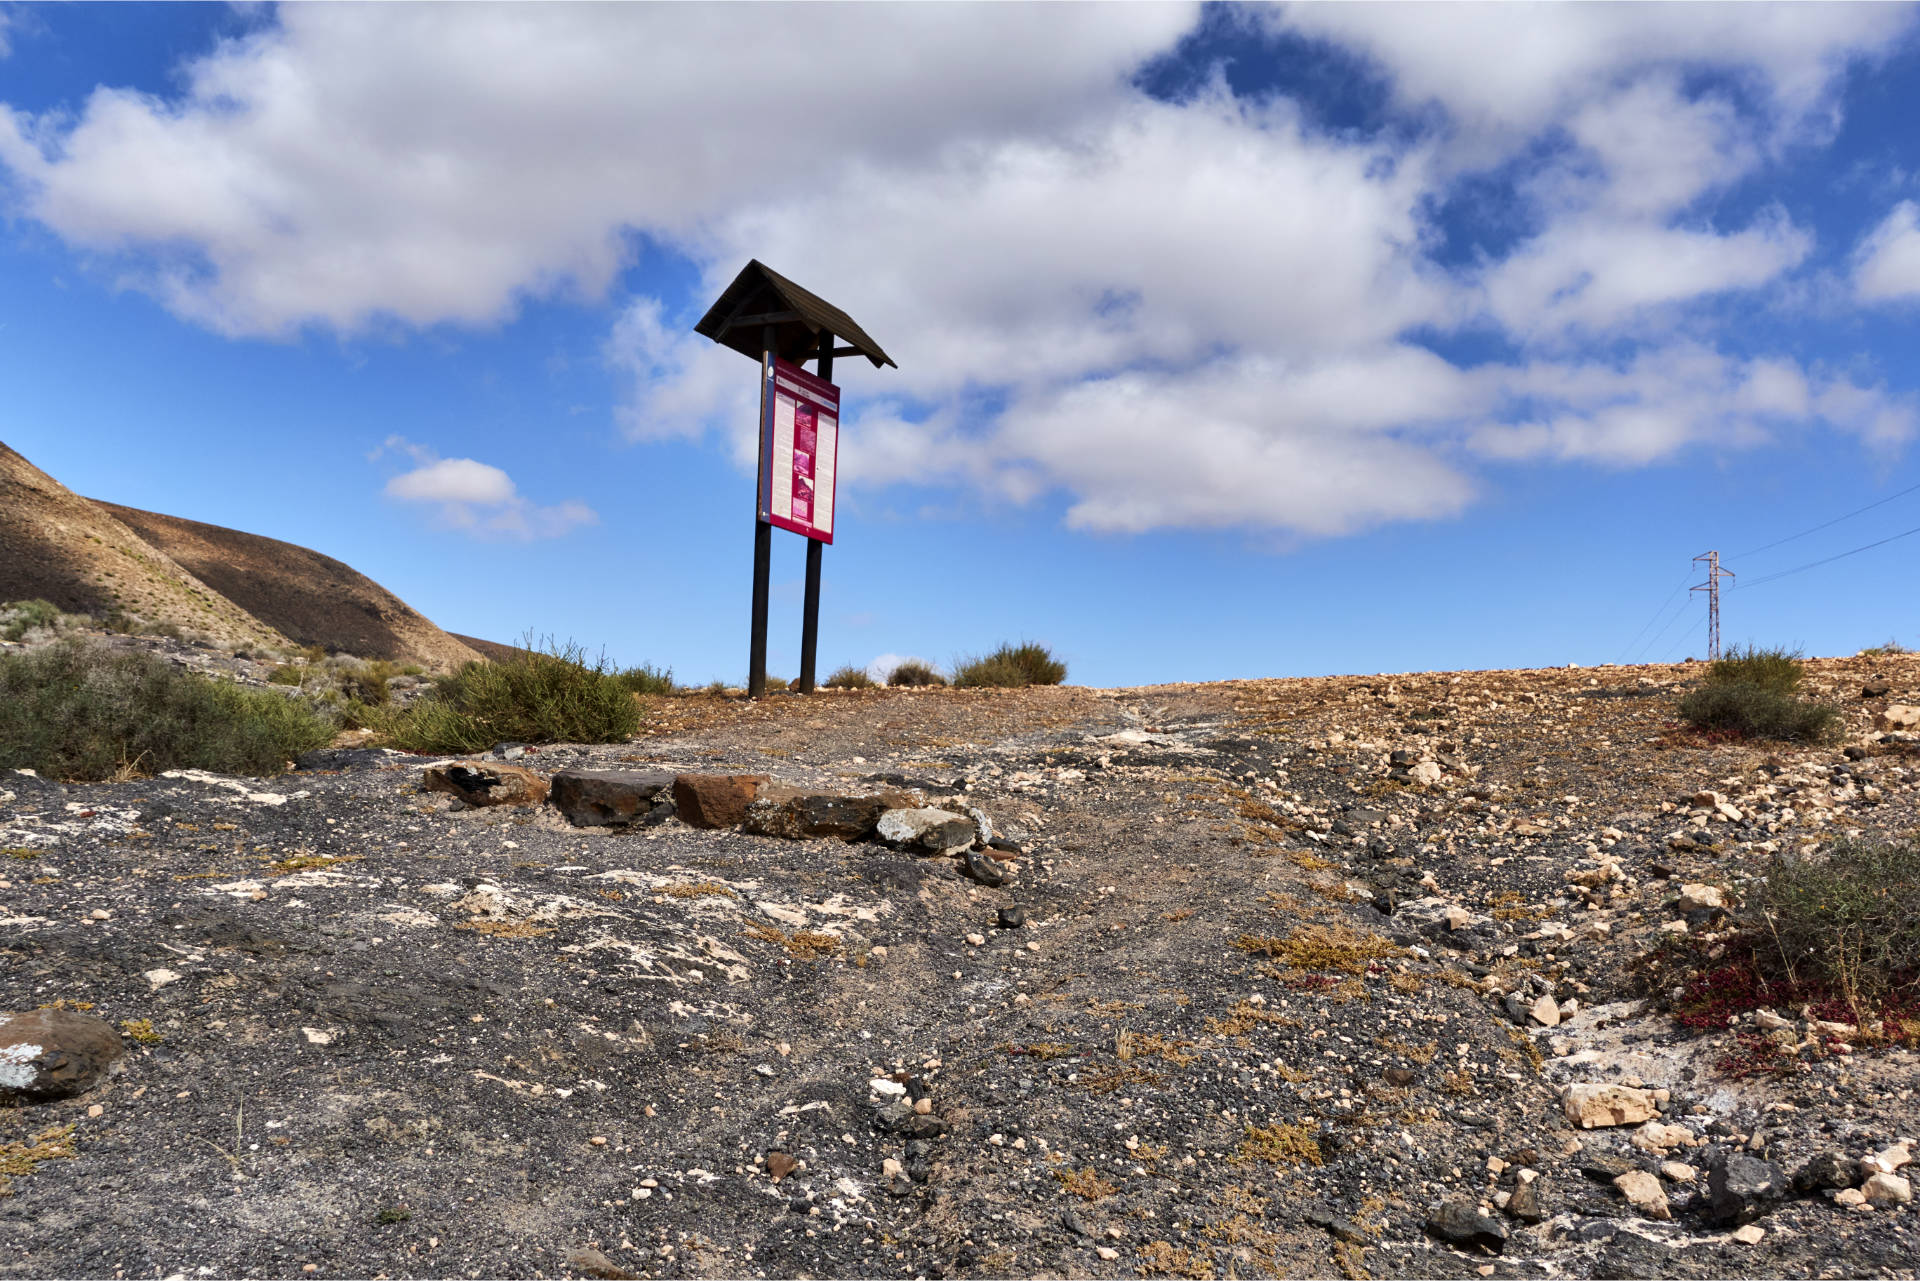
[1308, 977]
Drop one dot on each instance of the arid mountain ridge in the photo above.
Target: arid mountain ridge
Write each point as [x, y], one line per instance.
[234, 588]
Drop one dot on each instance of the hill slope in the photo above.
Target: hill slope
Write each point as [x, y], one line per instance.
[314, 599]
[60, 547]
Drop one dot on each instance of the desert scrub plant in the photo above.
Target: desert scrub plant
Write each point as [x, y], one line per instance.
[914, 672]
[1011, 666]
[851, 678]
[544, 693]
[1889, 649]
[19, 617]
[1774, 668]
[1846, 919]
[80, 710]
[647, 679]
[1751, 694]
[1741, 710]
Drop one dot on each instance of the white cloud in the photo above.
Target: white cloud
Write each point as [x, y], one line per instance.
[1175, 314]
[1503, 72]
[6, 21]
[478, 498]
[1887, 262]
[1595, 274]
[1667, 399]
[429, 164]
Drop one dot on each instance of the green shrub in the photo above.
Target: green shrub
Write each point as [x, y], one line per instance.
[287, 674]
[84, 711]
[22, 616]
[543, 694]
[363, 683]
[1846, 919]
[1777, 670]
[851, 678]
[1753, 711]
[1012, 666]
[1890, 649]
[914, 672]
[647, 679]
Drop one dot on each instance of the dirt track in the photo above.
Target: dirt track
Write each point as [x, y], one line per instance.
[404, 1041]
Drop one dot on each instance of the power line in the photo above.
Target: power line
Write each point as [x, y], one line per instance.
[1679, 644]
[1678, 614]
[1825, 524]
[1815, 564]
[1658, 611]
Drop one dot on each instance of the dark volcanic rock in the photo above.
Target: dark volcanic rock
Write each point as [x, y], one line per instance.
[1628, 1256]
[612, 798]
[54, 1054]
[1526, 1204]
[800, 815]
[983, 869]
[1461, 1223]
[1827, 1170]
[1741, 1188]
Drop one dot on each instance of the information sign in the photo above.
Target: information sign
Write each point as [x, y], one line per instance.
[799, 448]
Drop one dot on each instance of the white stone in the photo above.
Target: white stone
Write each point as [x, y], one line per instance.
[1887, 1189]
[1644, 1193]
[1106, 1252]
[1545, 1012]
[1656, 1137]
[1591, 1105]
[1850, 1197]
[1696, 897]
[160, 978]
[317, 1036]
[1749, 1235]
[1426, 772]
[881, 1085]
[1898, 716]
[1678, 1172]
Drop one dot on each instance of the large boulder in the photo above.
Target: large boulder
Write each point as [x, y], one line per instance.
[797, 814]
[715, 800]
[54, 1054]
[613, 798]
[485, 783]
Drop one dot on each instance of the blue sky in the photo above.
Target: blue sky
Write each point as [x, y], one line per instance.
[1232, 342]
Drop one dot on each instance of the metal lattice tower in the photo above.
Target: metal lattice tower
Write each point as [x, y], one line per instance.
[1712, 588]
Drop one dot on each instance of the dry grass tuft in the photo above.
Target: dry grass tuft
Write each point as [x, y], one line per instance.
[18, 1159]
[699, 889]
[1085, 1184]
[1280, 1144]
[1322, 947]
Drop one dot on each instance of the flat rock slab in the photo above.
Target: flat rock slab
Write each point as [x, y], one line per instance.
[485, 783]
[54, 1054]
[715, 800]
[800, 815]
[613, 798]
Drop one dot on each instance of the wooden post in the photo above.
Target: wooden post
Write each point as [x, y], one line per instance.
[762, 540]
[810, 618]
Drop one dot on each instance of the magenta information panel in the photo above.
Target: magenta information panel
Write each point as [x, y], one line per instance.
[799, 447]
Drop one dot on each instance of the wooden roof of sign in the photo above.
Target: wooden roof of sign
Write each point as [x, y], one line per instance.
[760, 296]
